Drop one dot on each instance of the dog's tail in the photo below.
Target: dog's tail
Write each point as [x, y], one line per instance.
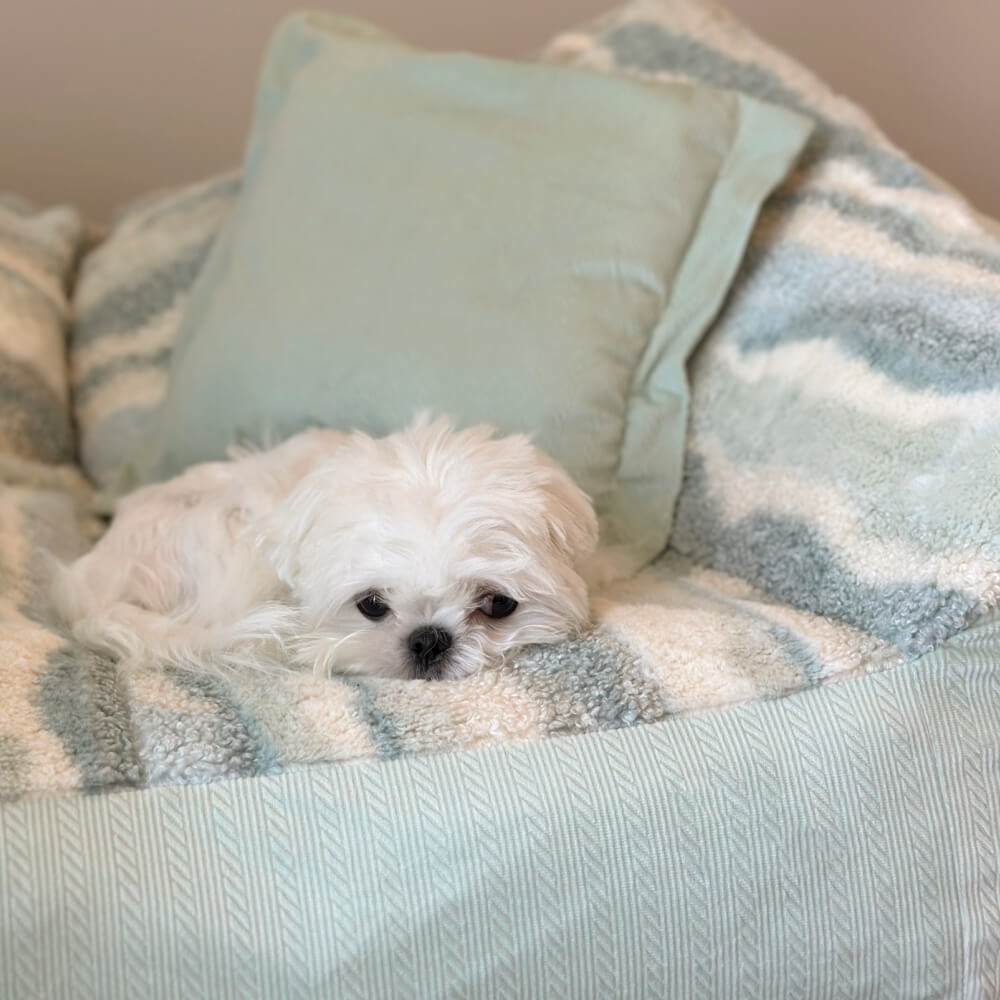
[137, 636]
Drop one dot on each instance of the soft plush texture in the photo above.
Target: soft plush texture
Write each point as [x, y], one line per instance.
[844, 448]
[533, 247]
[37, 255]
[130, 292]
[840, 843]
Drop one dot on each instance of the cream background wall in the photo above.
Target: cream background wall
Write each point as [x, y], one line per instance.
[102, 100]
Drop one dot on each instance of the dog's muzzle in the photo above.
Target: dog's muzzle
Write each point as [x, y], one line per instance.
[427, 647]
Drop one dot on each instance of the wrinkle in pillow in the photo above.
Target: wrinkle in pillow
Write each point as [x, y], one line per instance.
[530, 246]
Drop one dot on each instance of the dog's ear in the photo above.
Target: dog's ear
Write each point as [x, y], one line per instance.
[283, 532]
[570, 517]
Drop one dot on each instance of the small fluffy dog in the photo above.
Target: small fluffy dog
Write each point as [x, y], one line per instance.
[424, 554]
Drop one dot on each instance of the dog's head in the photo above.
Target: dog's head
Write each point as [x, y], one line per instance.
[431, 552]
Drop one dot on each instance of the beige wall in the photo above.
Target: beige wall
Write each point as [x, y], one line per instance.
[927, 70]
[101, 100]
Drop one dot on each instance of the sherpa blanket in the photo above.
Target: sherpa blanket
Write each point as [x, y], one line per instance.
[676, 638]
[839, 512]
[844, 448]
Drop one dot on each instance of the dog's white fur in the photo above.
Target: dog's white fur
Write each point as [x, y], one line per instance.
[262, 560]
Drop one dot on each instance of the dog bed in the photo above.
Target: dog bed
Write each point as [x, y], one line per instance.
[776, 771]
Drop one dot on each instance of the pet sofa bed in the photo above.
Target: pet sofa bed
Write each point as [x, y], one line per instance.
[771, 770]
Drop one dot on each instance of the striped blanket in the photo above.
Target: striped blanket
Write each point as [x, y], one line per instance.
[839, 512]
[37, 254]
[844, 453]
[675, 639]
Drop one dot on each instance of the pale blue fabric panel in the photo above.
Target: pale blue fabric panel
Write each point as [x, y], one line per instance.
[842, 842]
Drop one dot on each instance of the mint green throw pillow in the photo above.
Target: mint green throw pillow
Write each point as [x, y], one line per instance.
[530, 246]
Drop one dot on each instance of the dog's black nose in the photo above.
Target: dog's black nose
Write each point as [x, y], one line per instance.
[427, 645]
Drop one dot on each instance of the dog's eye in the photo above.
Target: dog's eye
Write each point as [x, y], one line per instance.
[497, 605]
[372, 606]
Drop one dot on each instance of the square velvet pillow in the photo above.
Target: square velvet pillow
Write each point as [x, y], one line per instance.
[530, 246]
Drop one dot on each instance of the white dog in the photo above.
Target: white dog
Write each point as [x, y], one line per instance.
[426, 554]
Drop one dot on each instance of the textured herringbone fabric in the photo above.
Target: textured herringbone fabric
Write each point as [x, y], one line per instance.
[842, 843]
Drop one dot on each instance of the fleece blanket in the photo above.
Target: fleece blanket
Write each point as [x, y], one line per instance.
[844, 448]
[675, 639]
[37, 256]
